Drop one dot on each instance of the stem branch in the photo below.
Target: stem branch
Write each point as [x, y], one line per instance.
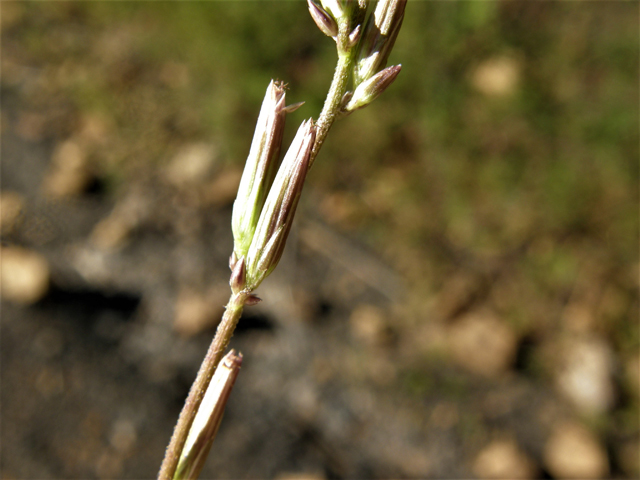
[337, 90]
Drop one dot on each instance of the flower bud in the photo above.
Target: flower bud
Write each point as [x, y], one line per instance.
[277, 215]
[324, 21]
[354, 36]
[260, 168]
[207, 420]
[371, 89]
[238, 279]
[380, 34]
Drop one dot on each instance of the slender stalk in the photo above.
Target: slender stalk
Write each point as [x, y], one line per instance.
[199, 387]
[338, 88]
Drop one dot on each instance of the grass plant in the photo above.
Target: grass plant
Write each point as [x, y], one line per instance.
[268, 195]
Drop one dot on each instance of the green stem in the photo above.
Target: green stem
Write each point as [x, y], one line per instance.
[338, 88]
[199, 387]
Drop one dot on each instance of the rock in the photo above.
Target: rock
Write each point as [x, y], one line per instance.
[585, 373]
[24, 275]
[368, 325]
[572, 452]
[497, 77]
[196, 311]
[503, 459]
[300, 476]
[11, 206]
[483, 344]
[123, 436]
[191, 165]
[69, 174]
[113, 231]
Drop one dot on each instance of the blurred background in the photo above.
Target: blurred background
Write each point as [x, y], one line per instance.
[458, 298]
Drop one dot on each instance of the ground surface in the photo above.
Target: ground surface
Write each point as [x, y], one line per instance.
[459, 296]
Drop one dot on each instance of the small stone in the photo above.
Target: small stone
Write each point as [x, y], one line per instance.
[191, 165]
[497, 77]
[11, 206]
[483, 344]
[69, 174]
[368, 325]
[585, 374]
[123, 436]
[110, 233]
[24, 275]
[572, 452]
[196, 311]
[109, 465]
[503, 459]
[300, 476]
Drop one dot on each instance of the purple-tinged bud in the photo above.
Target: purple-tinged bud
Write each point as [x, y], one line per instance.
[238, 279]
[378, 39]
[252, 300]
[207, 420]
[260, 168]
[293, 107]
[279, 208]
[371, 89]
[354, 36]
[324, 21]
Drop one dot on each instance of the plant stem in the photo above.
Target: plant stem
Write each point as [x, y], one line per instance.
[338, 88]
[329, 114]
[199, 387]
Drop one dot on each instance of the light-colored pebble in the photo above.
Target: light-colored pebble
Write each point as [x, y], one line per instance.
[24, 274]
[585, 373]
[11, 206]
[300, 476]
[123, 436]
[572, 452]
[483, 344]
[503, 459]
[191, 165]
[368, 325]
[497, 77]
[69, 173]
